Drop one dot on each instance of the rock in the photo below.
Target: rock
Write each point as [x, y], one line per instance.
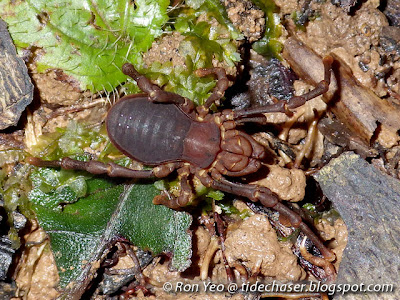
[369, 203]
[16, 89]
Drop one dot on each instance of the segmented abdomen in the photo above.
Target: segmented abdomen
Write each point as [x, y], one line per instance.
[144, 131]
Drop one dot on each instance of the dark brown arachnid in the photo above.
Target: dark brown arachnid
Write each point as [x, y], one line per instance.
[163, 130]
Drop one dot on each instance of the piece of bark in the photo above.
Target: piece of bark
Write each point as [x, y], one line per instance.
[338, 134]
[353, 104]
[16, 89]
[369, 203]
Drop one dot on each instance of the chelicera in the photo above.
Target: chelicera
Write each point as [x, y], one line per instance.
[164, 130]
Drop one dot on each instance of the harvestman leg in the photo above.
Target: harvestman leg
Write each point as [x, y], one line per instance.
[154, 92]
[185, 194]
[247, 115]
[268, 199]
[322, 87]
[114, 170]
[111, 169]
[219, 90]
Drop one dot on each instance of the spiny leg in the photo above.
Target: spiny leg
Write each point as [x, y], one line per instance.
[268, 199]
[296, 101]
[155, 93]
[220, 230]
[309, 142]
[219, 90]
[97, 168]
[328, 267]
[185, 194]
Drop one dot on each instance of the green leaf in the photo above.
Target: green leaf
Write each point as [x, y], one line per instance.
[216, 195]
[218, 11]
[80, 233]
[195, 3]
[71, 141]
[182, 81]
[90, 39]
[208, 41]
[229, 209]
[205, 42]
[269, 45]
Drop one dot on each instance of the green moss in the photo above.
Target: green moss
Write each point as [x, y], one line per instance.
[88, 40]
[269, 45]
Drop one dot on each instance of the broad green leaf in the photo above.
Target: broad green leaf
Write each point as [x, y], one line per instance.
[89, 40]
[80, 232]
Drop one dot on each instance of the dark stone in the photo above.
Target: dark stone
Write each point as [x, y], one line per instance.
[268, 77]
[6, 254]
[392, 12]
[389, 40]
[369, 203]
[345, 4]
[16, 89]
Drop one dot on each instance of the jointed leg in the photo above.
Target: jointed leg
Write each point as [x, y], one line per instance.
[296, 101]
[155, 93]
[244, 145]
[268, 199]
[259, 120]
[328, 267]
[97, 168]
[321, 88]
[185, 194]
[114, 170]
[219, 90]
[220, 230]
